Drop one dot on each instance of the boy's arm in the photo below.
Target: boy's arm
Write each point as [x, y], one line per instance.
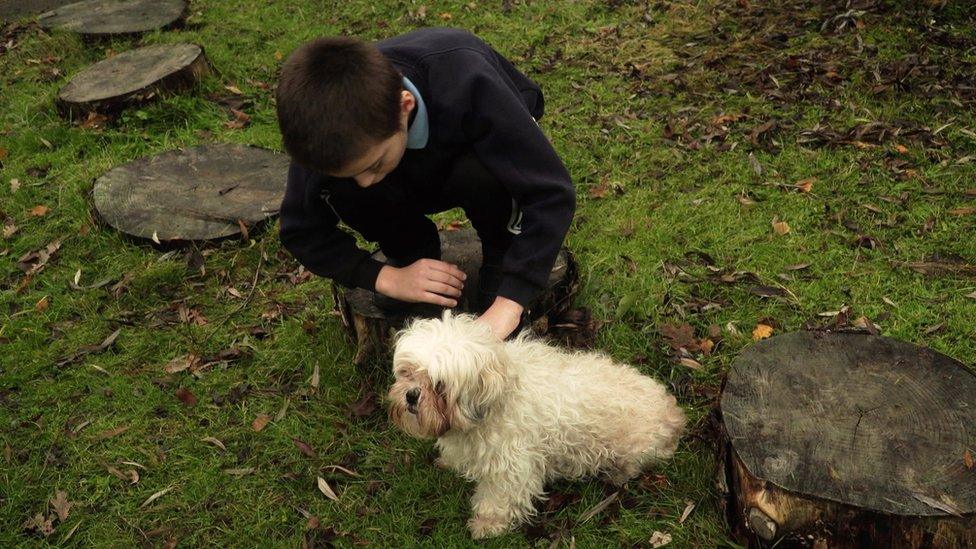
[480, 95]
[309, 231]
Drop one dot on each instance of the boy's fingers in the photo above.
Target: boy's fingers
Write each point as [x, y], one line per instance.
[439, 300]
[449, 269]
[446, 278]
[443, 289]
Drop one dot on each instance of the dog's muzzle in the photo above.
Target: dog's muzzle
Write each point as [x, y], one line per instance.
[413, 396]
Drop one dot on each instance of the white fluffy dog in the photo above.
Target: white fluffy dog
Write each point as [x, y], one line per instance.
[513, 415]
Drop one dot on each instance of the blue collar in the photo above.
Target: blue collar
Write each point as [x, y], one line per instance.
[419, 131]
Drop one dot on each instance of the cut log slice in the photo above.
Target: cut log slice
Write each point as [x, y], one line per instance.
[16, 9]
[206, 192]
[133, 77]
[371, 326]
[850, 439]
[106, 17]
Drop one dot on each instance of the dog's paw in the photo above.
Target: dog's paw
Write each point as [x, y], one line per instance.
[486, 526]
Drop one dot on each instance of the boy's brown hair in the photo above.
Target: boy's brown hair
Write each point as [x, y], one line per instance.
[336, 98]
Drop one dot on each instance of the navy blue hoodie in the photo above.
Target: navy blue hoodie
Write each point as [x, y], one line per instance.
[475, 99]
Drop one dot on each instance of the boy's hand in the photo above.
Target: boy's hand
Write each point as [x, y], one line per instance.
[503, 316]
[423, 281]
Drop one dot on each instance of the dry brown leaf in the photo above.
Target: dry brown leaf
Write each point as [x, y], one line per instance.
[706, 345]
[234, 90]
[659, 539]
[112, 432]
[314, 382]
[61, 504]
[761, 331]
[215, 442]
[806, 185]
[181, 363]
[689, 507]
[156, 496]
[9, 228]
[967, 458]
[39, 210]
[240, 472]
[901, 149]
[969, 210]
[326, 489]
[186, 397]
[304, 447]
[14, 185]
[42, 304]
[43, 525]
[260, 422]
[690, 363]
[780, 227]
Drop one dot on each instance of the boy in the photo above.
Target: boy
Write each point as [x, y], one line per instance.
[383, 134]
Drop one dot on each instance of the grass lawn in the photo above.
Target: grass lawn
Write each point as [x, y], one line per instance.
[737, 164]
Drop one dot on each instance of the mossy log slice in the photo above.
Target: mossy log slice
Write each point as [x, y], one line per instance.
[201, 193]
[107, 17]
[133, 76]
[850, 440]
[372, 327]
[16, 9]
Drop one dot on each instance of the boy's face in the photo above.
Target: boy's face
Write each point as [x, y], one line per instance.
[381, 158]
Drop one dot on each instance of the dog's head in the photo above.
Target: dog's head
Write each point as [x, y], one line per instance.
[449, 373]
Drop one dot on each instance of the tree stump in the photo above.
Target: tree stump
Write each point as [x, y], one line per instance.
[131, 77]
[15, 9]
[206, 192]
[109, 17]
[371, 327]
[849, 440]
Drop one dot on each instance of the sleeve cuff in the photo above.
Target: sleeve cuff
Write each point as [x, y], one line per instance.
[366, 273]
[520, 291]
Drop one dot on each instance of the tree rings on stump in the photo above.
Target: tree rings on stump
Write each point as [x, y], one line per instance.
[371, 326]
[847, 440]
[133, 76]
[106, 17]
[206, 192]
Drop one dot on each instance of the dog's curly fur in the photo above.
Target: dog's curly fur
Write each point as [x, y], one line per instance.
[513, 415]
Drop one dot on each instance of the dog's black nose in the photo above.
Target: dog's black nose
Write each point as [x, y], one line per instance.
[412, 396]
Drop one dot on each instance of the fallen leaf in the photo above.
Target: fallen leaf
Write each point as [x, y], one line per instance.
[14, 185]
[780, 227]
[42, 524]
[341, 468]
[689, 507]
[155, 238]
[181, 363]
[9, 228]
[806, 185]
[326, 489]
[61, 504]
[312, 524]
[593, 511]
[962, 211]
[215, 442]
[797, 267]
[365, 406]
[156, 496]
[42, 304]
[260, 422]
[235, 292]
[314, 382]
[901, 149]
[967, 458]
[112, 432]
[762, 331]
[39, 210]
[767, 291]
[690, 363]
[303, 447]
[3, 153]
[186, 397]
[281, 413]
[679, 336]
[240, 472]
[234, 90]
[94, 121]
[243, 227]
[659, 539]
[706, 345]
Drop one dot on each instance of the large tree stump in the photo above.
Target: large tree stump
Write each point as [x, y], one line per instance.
[15, 9]
[206, 192]
[850, 440]
[109, 17]
[371, 327]
[133, 76]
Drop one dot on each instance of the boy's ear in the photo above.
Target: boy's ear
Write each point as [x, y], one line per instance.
[407, 102]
